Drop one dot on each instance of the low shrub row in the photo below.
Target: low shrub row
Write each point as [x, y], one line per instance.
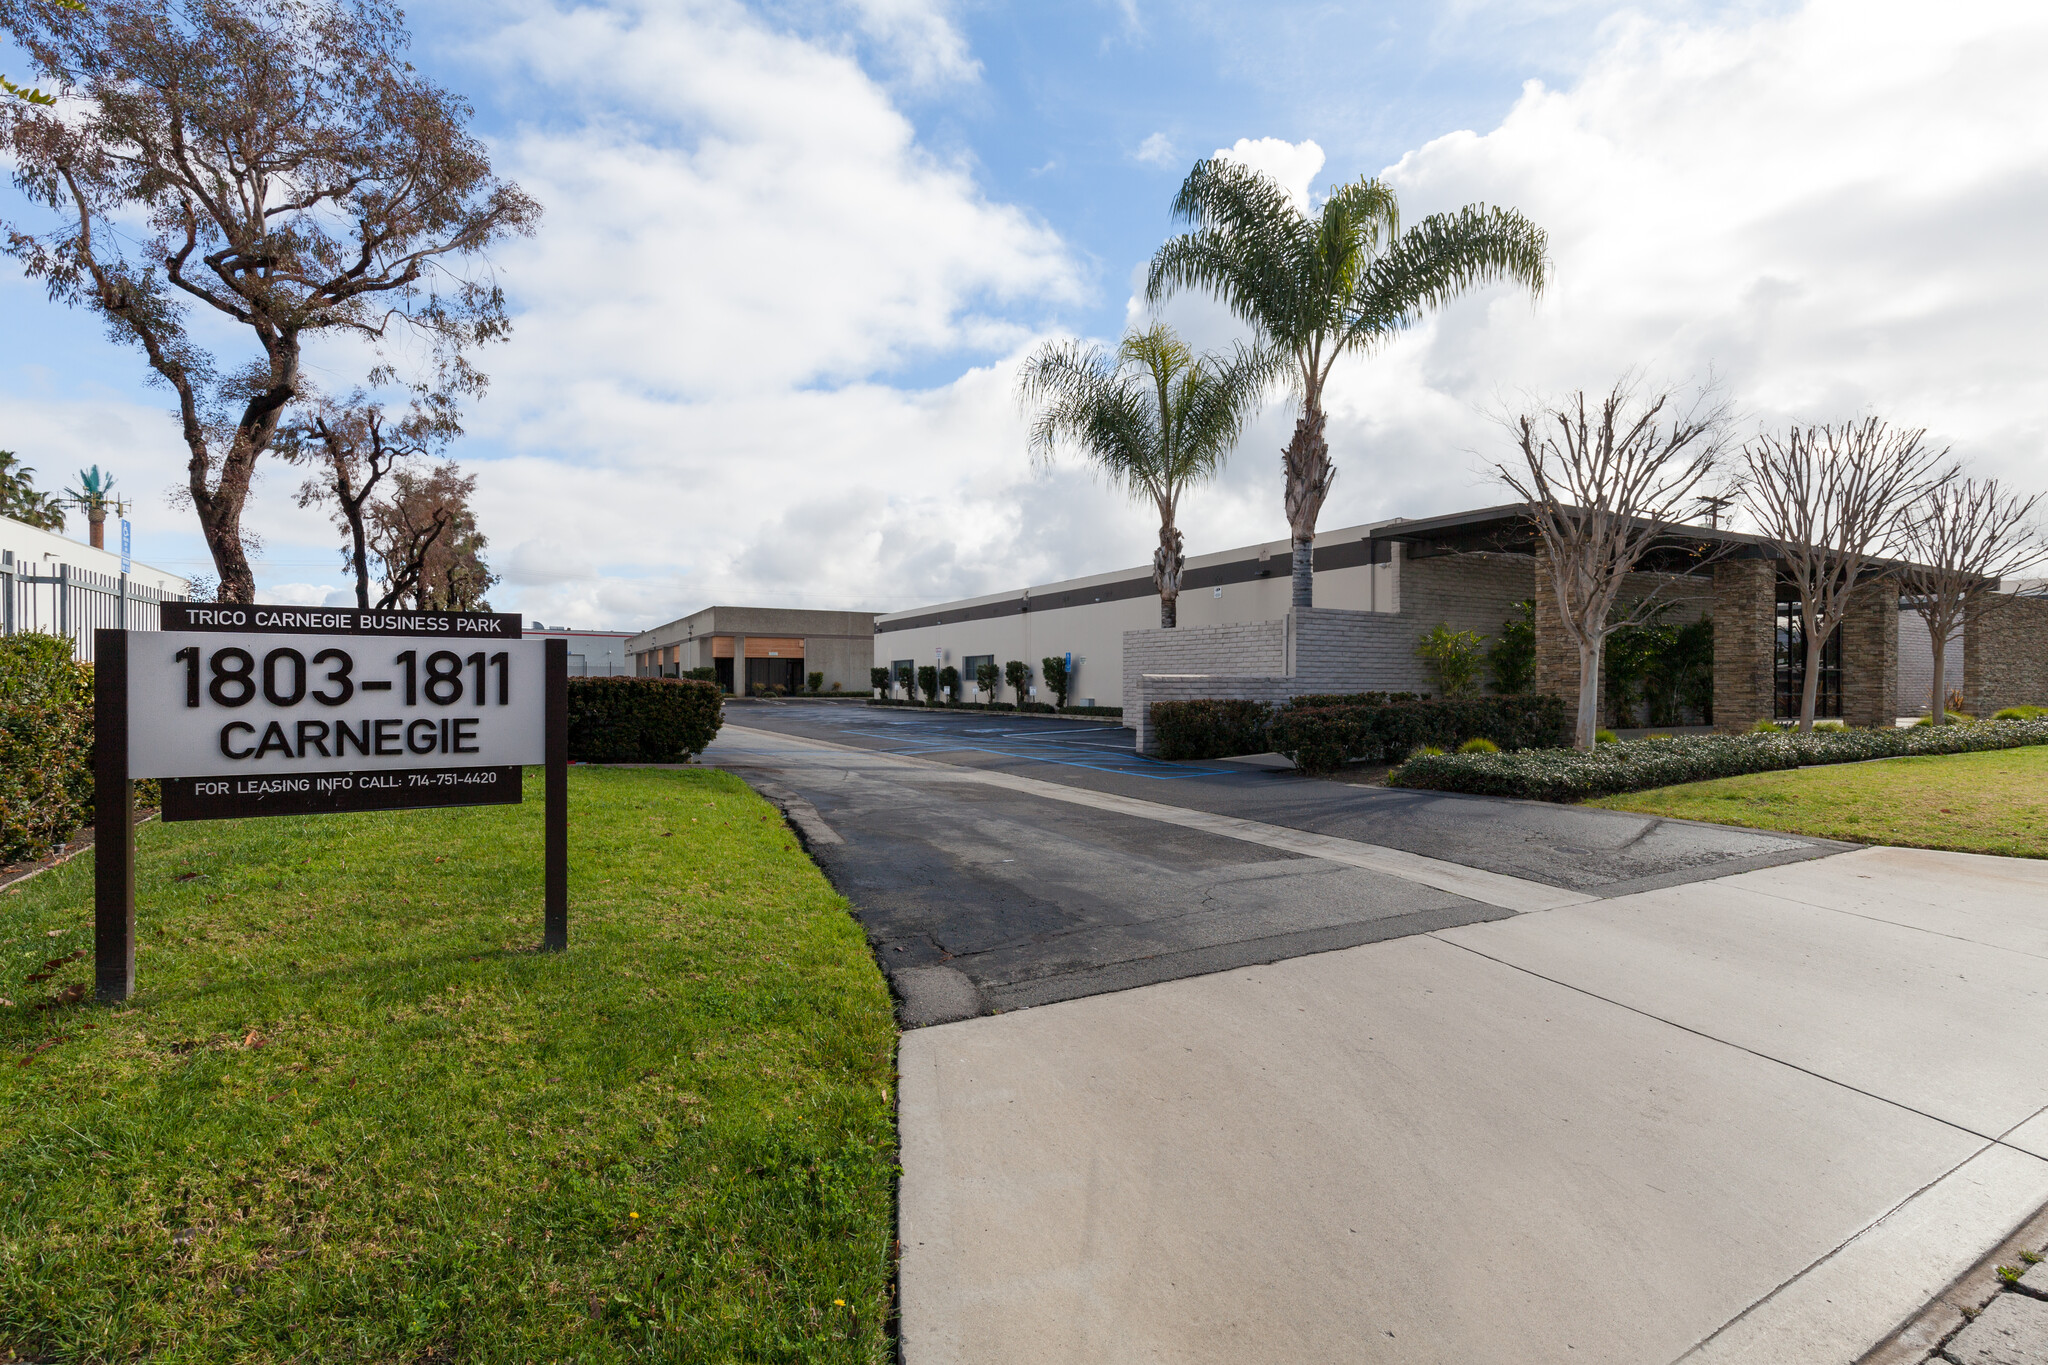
[1184, 730]
[1031, 707]
[642, 720]
[1321, 733]
[1322, 738]
[1639, 764]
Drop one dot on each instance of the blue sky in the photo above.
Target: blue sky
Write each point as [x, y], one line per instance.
[793, 253]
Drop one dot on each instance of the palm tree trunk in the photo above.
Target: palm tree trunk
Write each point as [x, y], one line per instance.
[1167, 564]
[1307, 462]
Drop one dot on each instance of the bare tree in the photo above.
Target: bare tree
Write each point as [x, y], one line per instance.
[1602, 487]
[1831, 500]
[1962, 537]
[276, 165]
[353, 447]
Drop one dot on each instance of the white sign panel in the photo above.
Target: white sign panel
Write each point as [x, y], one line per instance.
[256, 705]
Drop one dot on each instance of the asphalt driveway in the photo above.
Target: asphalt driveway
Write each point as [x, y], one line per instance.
[998, 862]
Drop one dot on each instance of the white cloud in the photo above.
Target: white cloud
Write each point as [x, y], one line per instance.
[919, 40]
[1293, 164]
[1835, 211]
[1158, 150]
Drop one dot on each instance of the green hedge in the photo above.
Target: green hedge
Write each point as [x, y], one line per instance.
[1639, 764]
[642, 720]
[45, 745]
[1356, 698]
[1322, 738]
[1184, 730]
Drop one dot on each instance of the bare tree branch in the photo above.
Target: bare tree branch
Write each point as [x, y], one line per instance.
[1831, 500]
[1962, 536]
[1603, 487]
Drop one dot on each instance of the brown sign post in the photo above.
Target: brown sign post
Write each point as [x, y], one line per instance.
[255, 710]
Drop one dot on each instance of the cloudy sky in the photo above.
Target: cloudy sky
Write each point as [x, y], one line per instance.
[768, 333]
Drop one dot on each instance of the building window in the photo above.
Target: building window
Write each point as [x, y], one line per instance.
[1791, 672]
[904, 671]
[968, 667]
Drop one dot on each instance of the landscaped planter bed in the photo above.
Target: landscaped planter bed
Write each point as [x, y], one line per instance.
[1640, 764]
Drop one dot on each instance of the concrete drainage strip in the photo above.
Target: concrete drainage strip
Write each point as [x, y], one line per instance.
[1984, 1318]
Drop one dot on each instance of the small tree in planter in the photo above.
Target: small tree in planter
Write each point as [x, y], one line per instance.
[1453, 659]
[1019, 678]
[1057, 680]
[988, 678]
[949, 683]
[1512, 660]
[928, 682]
[815, 683]
[878, 680]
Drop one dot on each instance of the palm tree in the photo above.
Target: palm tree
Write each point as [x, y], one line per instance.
[1318, 286]
[1155, 419]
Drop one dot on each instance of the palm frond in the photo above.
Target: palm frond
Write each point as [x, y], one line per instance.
[1441, 257]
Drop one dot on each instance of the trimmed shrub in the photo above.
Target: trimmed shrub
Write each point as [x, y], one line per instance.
[642, 720]
[814, 683]
[1323, 738]
[2019, 713]
[1606, 737]
[949, 683]
[46, 780]
[705, 674]
[1210, 729]
[1018, 677]
[928, 681]
[1481, 745]
[878, 679]
[1057, 681]
[1356, 698]
[1639, 764]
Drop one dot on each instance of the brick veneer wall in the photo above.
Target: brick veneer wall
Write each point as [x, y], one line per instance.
[2005, 654]
[1332, 650]
[1870, 654]
[1249, 648]
[1557, 654]
[1745, 642]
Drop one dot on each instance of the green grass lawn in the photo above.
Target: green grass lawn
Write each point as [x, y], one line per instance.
[352, 1115]
[1995, 802]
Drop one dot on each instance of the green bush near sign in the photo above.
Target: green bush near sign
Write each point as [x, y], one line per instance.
[642, 720]
[45, 745]
[352, 1115]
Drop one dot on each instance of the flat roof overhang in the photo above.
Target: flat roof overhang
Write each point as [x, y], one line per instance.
[1509, 529]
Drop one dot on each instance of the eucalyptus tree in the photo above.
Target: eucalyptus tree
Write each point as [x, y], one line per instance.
[1318, 286]
[276, 168]
[1154, 419]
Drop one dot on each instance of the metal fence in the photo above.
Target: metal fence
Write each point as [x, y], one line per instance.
[62, 599]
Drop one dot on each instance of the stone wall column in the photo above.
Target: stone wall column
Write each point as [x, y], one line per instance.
[1745, 642]
[1557, 655]
[1870, 655]
[2005, 654]
[739, 665]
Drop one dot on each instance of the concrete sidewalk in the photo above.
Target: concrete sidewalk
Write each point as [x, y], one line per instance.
[1760, 1118]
